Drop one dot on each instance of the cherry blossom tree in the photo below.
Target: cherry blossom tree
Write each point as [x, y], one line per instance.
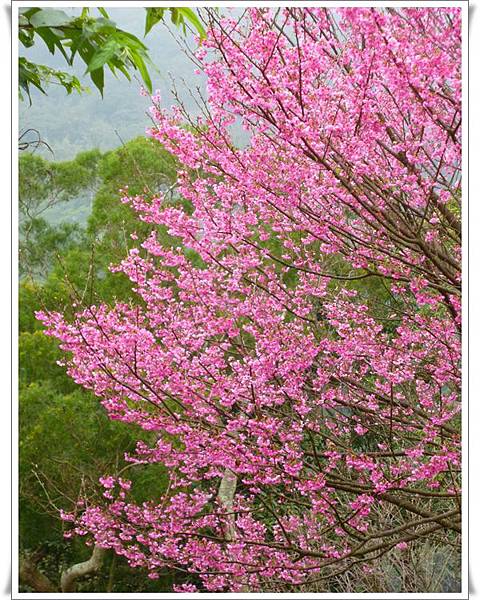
[298, 352]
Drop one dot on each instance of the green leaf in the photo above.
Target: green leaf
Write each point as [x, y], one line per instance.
[102, 25]
[98, 79]
[77, 40]
[189, 15]
[95, 39]
[28, 12]
[175, 16]
[49, 17]
[51, 40]
[26, 37]
[138, 61]
[124, 70]
[129, 40]
[102, 56]
[154, 15]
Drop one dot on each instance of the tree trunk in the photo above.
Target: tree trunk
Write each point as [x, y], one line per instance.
[226, 494]
[111, 575]
[31, 576]
[69, 577]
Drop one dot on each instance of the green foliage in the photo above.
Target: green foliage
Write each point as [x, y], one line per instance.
[44, 242]
[38, 356]
[42, 186]
[97, 41]
[43, 183]
[67, 443]
[39, 76]
[28, 300]
[146, 168]
[180, 17]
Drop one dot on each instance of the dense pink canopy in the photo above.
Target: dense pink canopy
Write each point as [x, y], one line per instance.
[309, 354]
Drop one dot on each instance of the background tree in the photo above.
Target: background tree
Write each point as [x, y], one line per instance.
[44, 186]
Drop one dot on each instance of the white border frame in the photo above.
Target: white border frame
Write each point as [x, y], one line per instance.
[463, 4]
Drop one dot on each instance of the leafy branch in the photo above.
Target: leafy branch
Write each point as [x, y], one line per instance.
[96, 40]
